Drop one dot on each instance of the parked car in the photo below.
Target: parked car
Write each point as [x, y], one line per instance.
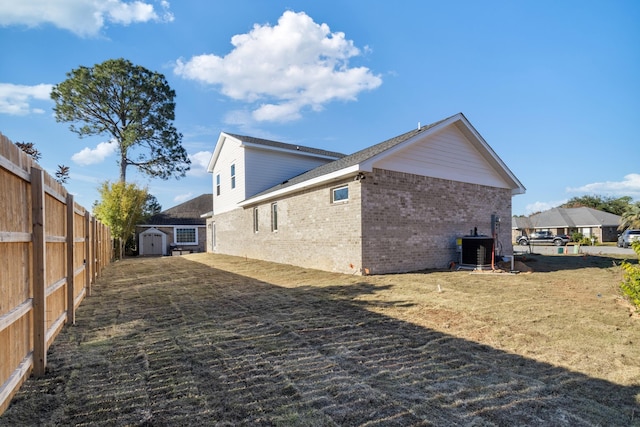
[628, 237]
[543, 237]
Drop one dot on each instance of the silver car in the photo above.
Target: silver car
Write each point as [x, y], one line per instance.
[628, 237]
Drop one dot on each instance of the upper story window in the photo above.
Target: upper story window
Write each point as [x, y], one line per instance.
[340, 194]
[217, 184]
[233, 175]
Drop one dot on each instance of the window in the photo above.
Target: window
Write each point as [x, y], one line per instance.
[340, 194]
[255, 220]
[218, 185]
[186, 236]
[233, 176]
[274, 217]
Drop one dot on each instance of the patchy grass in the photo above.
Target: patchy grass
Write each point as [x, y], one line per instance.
[216, 340]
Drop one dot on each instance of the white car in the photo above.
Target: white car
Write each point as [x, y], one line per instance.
[628, 237]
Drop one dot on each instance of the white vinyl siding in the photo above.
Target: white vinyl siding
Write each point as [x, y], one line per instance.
[447, 154]
[256, 169]
[267, 168]
[230, 167]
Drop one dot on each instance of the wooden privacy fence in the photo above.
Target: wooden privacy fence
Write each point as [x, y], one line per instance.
[51, 251]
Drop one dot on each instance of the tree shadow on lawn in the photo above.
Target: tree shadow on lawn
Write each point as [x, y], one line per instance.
[175, 342]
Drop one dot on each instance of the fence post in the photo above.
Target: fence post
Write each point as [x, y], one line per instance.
[71, 292]
[39, 262]
[87, 251]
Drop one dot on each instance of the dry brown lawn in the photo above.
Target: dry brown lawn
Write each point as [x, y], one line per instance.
[216, 340]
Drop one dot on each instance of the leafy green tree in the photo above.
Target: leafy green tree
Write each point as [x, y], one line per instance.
[620, 205]
[134, 106]
[630, 217]
[151, 207]
[121, 208]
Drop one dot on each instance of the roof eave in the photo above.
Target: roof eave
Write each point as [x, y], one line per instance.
[314, 182]
[285, 150]
[216, 152]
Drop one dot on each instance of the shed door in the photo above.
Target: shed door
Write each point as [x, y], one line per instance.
[152, 244]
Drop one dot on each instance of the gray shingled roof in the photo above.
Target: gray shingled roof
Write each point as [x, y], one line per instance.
[283, 145]
[187, 213]
[574, 217]
[350, 160]
[520, 222]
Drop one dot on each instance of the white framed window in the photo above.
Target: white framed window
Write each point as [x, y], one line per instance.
[233, 176]
[185, 235]
[217, 184]
[256, 223]
[340, 194]
[274, 217]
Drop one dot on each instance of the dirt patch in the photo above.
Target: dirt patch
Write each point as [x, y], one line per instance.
[215, 340]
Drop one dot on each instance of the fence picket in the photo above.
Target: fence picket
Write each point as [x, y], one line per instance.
[39, 257]
[54, 250]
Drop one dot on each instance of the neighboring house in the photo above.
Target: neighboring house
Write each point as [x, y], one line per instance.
[180, 229]
[587, 221]
[396, 206]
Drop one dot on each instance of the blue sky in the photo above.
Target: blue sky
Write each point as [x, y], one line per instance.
[553, 87]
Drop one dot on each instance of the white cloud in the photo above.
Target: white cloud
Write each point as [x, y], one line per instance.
[82, 17]
[284, 68]
[15, 99]
[629, 186]
[199, 163]
[88, 156]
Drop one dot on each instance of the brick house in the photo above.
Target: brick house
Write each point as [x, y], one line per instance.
[396, 206]
[180, 229]
[587, 221]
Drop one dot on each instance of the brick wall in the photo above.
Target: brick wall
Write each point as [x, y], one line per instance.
[411, 222]
[312, 231]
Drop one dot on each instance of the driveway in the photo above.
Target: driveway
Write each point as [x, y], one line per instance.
[570, 249]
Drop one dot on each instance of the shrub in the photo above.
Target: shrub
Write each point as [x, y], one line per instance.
[631, 280]
[576, 236]
[588, 241]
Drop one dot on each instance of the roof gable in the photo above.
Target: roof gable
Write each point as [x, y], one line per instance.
[365, 160]
[282, 146]
[445, 154]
